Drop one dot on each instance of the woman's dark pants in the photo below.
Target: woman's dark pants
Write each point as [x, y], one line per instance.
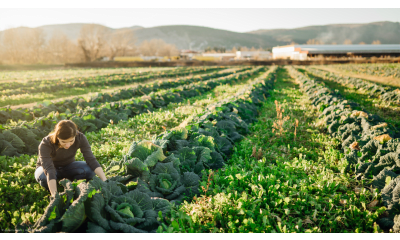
[74, 171]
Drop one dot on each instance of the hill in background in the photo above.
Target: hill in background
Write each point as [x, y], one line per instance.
[385, 32]
[194, 37]
[198, 38]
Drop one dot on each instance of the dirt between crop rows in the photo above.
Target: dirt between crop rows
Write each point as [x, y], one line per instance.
[28, 105]
[383, 80]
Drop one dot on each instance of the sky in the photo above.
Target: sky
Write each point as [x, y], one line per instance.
[239, 18]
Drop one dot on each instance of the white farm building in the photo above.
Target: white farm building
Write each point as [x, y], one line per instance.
[304, 52]
[252, 55]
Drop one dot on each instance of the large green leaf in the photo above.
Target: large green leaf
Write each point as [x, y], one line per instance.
[216, 161]
[14, 140]
[147, 152]
[191, 181]
[204, 141]
[180, 133]
[160, 204]
[68, 194]
[162, 183]
[379, 180]
[172, 158]
[202, 154]
[137, 168]
[187, 157]
[75, 214]
[94, 208]
[223, 145]
[48, 221]
[94, 228]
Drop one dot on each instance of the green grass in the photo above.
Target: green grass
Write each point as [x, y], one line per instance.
[296, 186]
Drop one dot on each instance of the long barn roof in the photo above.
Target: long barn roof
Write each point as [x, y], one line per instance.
[359, 48]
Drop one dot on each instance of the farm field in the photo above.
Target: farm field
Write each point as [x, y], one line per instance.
[68, 73]
[14, 93]
[244, 149]
[108, 152]
[382, 100]
[387, 74]
[377, 69]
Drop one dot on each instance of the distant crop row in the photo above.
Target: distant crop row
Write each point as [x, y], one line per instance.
[72, 105]
[48, 86]
[372, 147]
[387, 94]
[378, 69]
[23, 138]
[57, 74]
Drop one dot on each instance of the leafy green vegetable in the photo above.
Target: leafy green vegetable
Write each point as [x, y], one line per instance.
[147, 152]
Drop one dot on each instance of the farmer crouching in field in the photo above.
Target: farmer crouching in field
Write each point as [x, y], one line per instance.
[56, 158]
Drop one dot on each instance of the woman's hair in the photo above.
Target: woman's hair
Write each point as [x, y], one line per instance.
[64, 129]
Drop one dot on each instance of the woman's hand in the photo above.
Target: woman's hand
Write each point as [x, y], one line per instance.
[52, 187]
[99, 172]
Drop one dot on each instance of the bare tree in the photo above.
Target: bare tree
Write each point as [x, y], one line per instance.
[23, 45]
[9, 46]
[120, 42]
[92, 41]
[376, 42]
[168, 50]
[35, 45]
[149, 48]
[60, 49]
[157, 47]
[55, 49]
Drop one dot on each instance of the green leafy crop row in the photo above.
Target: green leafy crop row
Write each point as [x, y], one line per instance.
[167, 167]
[71, 105]
[287, 185]
[386, 94]
[108, 143]
[24, 138]
[376, 69]
[36, 86]
[372, 147]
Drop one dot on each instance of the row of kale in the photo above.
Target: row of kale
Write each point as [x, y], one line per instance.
[157, 174]
[72, 105]
[25, 137]
[387, 70]
[69, 107]
[387, 94]
[49, 86]
[372, 147]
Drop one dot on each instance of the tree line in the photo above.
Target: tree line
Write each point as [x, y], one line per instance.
[29, 46]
